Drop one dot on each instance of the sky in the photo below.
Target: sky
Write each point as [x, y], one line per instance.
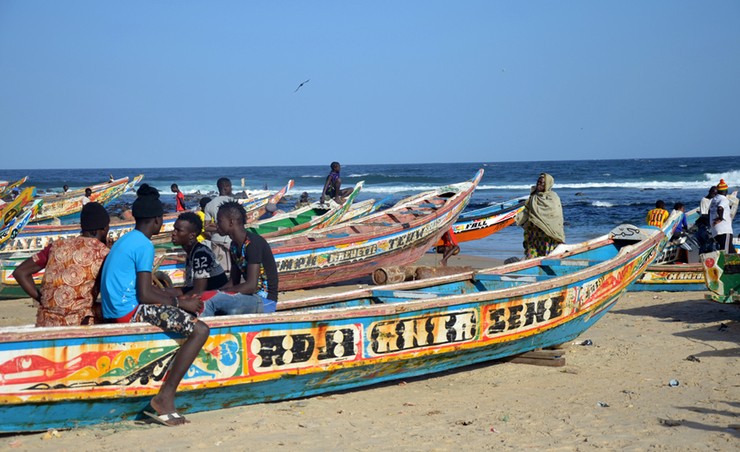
[112, 84]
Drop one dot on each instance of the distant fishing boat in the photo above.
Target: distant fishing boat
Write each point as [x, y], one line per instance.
[67, 377]
[68, 205]
[480, 223]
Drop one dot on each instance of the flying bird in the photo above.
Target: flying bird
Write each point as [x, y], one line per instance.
[299, 86]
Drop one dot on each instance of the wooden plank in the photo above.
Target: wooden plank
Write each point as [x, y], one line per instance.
[555, 362]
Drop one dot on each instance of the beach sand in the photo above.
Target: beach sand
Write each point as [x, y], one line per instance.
[638, 347]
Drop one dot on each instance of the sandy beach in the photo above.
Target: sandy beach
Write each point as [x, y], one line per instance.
[613, 394]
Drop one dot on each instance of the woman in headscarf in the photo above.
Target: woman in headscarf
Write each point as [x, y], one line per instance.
[542, 219]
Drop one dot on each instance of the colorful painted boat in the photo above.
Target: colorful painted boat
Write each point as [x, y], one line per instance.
[35, 237]
[75, 376]
[11, 209]
[256, 207]
[722, 273]
[6, 187]
[399, 235]
[481, 223]
[16, 224]
[314, 216]
[66, 206]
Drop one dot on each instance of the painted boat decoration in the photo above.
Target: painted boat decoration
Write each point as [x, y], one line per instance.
[17, 223]
[359, 210]
[6, 187]
[481, 223]
[722, 273]
[314, 216]
[63, 206]
[669, 273]
[74, 376]
[10, 210]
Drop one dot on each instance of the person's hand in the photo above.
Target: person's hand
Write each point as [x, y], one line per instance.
[191, 304]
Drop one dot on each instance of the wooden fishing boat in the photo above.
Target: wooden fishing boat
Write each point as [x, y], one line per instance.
[481, 223]
[11, 229]
[722, 273]
[672, 273]
[6, 187]
[314, 216]
[36, 237]
[67, 206]
[9, 210]
[74, 376]
[256, 207]
[395, 236]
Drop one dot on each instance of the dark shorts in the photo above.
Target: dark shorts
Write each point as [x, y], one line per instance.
[169, 318]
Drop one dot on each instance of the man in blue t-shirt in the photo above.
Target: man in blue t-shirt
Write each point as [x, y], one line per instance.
[128, 295]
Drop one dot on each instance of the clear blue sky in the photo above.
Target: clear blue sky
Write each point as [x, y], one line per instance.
[211, 83]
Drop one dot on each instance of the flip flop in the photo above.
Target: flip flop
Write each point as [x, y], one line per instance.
[165, 418]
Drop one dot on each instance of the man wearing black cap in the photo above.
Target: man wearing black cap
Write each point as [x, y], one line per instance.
[69, 288]
[128, 295]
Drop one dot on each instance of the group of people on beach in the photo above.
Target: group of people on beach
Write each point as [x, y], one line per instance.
[713, 228]
[229, 270]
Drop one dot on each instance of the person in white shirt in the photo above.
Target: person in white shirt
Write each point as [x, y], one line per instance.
[721, 220]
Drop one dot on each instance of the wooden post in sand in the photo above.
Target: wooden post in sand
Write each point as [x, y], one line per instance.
[390, 275]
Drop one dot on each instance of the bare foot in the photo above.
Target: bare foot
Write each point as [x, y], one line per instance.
[165, 407]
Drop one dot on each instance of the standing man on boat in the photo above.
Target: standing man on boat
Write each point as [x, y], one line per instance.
[128, 295]
[704, 229]
[720, 219]
[254, 273]
[219, 243]
[542, 219]
[70, 285]
[179, 198]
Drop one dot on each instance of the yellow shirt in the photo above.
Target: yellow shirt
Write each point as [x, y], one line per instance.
[657, 217]
[202, 215]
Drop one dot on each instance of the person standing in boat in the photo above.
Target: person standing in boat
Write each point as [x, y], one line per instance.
[128, 295]
[704, 229]
[179, 198]
[219, 243]
[254, 273]
[720, 219]
[333, 186]
[542, 219]
[70, 285]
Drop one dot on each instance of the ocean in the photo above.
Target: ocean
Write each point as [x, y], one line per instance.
[597, 195]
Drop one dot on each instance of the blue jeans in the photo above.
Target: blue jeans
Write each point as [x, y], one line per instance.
[232, 304]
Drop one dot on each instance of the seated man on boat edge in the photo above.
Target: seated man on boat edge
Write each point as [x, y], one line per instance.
[253, 270]
[128, 295]
[204, 275]
[70, 285]
[333, 186]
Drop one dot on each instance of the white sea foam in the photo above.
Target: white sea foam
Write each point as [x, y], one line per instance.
[732, 178]
[602, 204]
